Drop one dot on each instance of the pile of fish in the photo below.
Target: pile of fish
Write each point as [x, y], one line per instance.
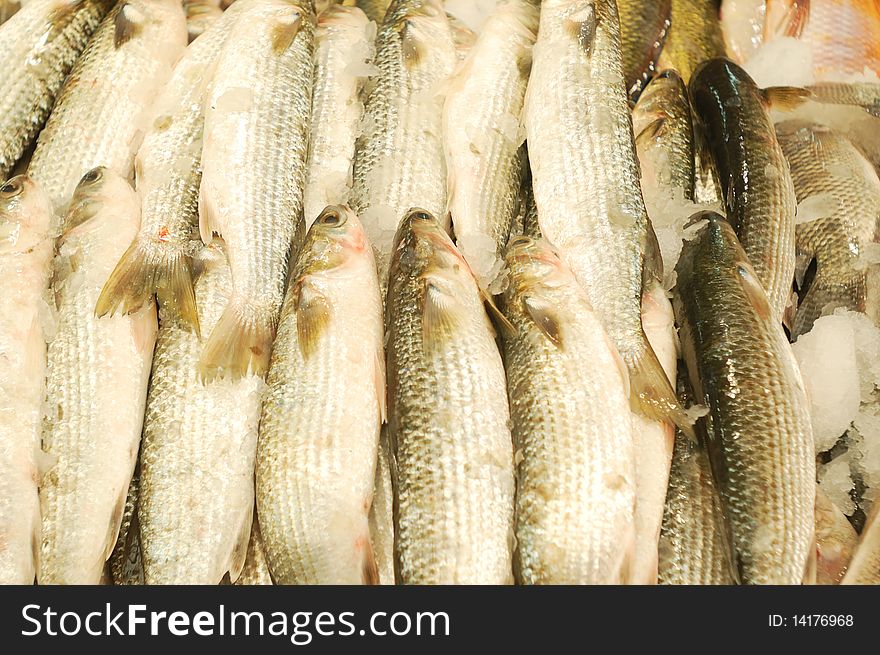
[375, 292]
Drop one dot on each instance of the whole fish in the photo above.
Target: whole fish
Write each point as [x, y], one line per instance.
[196, 495]
[753, 173]
[253, 173]
[585, 178]
[343, 50]
[836, 541]
[25, 263]
[200, 15]
[576, 487]
[126, 564]
[483, 133]
[325, 404]
[98, 370]
[693, 37]
[447, 417]
[256, 568]
[106, 100]
[399, 161]
[168, 171]
[864, 568]
[381, 517]
[374, 9]
[843, 35]
[760, 439]
[38, 47]
[644, 25]
[826, 166]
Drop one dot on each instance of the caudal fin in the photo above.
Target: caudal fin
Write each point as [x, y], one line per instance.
[651, 393]
[240, 343]
[149, 268]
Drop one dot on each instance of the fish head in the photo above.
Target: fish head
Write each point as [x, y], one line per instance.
[25, 215]
[334, 241]
[102, 198]
[533, 263]
[666, 93]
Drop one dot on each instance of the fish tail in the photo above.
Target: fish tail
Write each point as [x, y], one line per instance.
[651, 393]
[238, 556]
[147, 269]
[823, 294]
[370, 569]
[240, 343]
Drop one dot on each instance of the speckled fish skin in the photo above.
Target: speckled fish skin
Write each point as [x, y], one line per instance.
[196, 493]
[585, 178]
[38, 47]
[107, 97]
[861, 94]
[253, 173]
[864, 569]
[663, 128]
[374, 9]
[256, 568]
[576, 487]
[343, 43]
[761, 442]
[399, 161]
[482, 134]
[643, 28]
[324, 406]
[25, 262]
[447, 417]
[836, 541]
[98, 370]
[693, 37]
[126, 564]
[752, 170]
[824, 162]
[168, 173]
[382, 514]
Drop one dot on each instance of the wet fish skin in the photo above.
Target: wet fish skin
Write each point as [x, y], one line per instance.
[694, 36]
[447, 417]
[824, 162]
[107, 97]
[482, 130]
[381, 517]
[644, 25]
[576, 487]
[760, 424]
[836, 541]
[374, 9]
[325, 403]
[399, 161]
[126, 563]
[196, 495]
[343, 41]
[38, 46]
[253, 173]
[98, 370]
[862, 94]
[168, 171]
[752, 171]
[585, 178]
[256, 569]
[864, 568]
[25, 263]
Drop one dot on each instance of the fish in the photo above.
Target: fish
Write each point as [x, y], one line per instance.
[96, 387]
[343, 52]
[463, 37]
[200, 15]
[399, 160]
[253, 173]
[694, 36]
[447, 417]
[381, 517]
[694, 547]
[324, 406]
[256, 569]
[827, 166]
[575, 455]
[864, 569]
[196, 494]
[759, 440]
[861, 94]
[25, 264]
[8, 9]
[836, 541]
[168, 172]
[39, 46]
[374, 9]
[644, 26]
[585, 178]
[106, 100]
[483, 134]
[126, 564]
[843, 35]
[742, 24]
[753, 174]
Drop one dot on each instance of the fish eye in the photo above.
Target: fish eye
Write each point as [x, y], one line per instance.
[93, 176]
[331, 217]
[521, 241]
[11, 189]
[420, 215]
